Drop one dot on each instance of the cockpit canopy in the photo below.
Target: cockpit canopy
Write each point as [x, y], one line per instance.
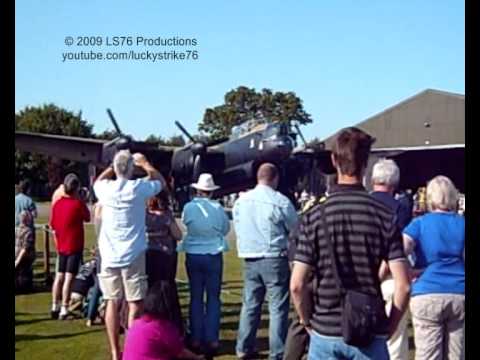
[271, 130]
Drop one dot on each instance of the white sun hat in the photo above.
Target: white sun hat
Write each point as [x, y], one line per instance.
[205, 182]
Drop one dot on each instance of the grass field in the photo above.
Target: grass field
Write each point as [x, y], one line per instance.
[37, 337]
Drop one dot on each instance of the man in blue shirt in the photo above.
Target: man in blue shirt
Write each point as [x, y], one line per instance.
[385, 179]
[24, 202]
[263, 218]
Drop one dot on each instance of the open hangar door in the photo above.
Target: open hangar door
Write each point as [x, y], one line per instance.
[419, 165]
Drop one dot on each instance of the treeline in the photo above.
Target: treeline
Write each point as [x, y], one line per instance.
[240, 104]
[45, 174]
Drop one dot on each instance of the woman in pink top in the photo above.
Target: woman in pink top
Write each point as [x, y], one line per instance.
[154, 336]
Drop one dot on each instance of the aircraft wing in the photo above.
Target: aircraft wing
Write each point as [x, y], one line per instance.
[95, 151]
[321, 157]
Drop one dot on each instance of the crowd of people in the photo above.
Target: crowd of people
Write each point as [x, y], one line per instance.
[356, 265]
[25, 212]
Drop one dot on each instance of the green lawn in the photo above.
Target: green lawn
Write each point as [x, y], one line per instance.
[37, 337]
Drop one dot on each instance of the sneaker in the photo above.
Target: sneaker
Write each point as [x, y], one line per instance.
[63, 313]
[98, 321]
[54, 314]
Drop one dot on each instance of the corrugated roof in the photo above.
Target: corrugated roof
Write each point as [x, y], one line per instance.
[62, 137]
[404, 124]
[410, 99]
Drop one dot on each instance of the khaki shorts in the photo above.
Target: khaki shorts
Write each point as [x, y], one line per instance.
[131, 280]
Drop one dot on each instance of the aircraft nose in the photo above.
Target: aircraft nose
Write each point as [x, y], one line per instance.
[284, 146]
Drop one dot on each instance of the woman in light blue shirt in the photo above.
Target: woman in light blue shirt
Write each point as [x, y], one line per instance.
[207, 225]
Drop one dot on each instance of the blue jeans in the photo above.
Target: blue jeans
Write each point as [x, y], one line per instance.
[261, 276]
[331, 348]
[95, 294]
[204, 275]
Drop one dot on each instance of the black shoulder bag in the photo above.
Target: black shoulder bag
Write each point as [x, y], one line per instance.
[362, 314]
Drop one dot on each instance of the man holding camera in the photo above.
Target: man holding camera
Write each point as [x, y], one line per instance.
[67, 218]
[122, 241]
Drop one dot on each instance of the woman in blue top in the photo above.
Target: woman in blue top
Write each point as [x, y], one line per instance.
[438, 291]
[207, 225]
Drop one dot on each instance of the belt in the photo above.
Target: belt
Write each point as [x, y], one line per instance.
[283, 255]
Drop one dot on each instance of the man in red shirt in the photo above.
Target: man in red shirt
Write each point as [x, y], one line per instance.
[67, 218]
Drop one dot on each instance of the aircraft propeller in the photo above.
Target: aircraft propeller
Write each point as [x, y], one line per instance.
[114, 122]
[122, 141]
[198, 147]
[184, 131]
[199, 150]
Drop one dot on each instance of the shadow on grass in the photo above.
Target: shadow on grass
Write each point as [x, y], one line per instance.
[230, 309]
[233, 325]
[227, 309]
[227, 347]
[38, 287]
[32, 337]
[182, 285]
[31, 321]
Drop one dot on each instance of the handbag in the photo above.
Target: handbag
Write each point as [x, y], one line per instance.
[362, 314]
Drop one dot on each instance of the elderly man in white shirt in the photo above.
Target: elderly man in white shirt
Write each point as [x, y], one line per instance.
[122, 240]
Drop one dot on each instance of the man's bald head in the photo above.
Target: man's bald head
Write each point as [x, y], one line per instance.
[267, 174]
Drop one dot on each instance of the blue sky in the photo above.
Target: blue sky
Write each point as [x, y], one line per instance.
[347, 60]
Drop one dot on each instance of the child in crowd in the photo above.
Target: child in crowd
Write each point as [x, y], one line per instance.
[84, 280]
[154, 335]
[86, 283]
[24, 252]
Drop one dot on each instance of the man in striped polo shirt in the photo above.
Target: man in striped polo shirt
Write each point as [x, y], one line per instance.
[363, 233]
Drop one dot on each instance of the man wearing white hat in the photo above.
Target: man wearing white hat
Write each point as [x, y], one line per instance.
[207, 225]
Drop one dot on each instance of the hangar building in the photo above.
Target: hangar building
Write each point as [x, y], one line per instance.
[424, 134]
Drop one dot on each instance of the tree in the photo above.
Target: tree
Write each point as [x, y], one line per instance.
[107, 135]
[316, 144]
[50, 119]
[245, 103]
[175, 140]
